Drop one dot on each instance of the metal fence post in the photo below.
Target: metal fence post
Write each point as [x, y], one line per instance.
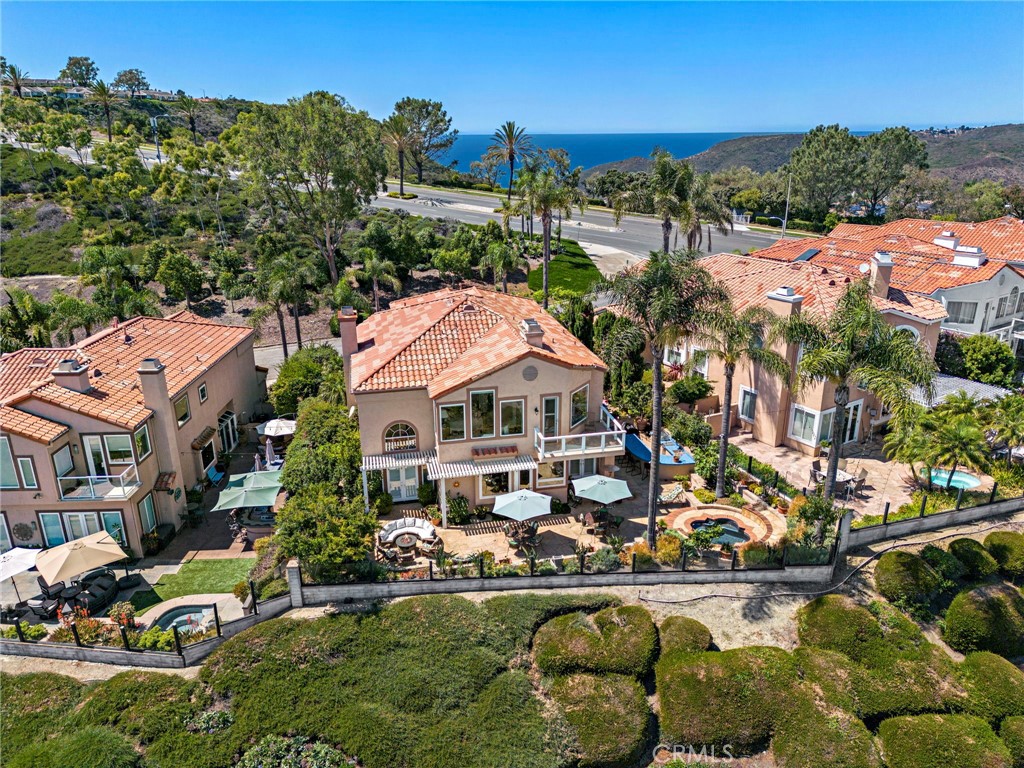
[775, 482]
[924, 503]
[992, 496]
[885, 514]
[583, 561]
[19, 630]
[216, 619]
[177, 641]
[481, 562]
[732, 562]
[785, 555]
[74, 633]
[959, 497]
[685, 555]
[430, 570]
[750, 464]
[124, 638]
[255, 597]
[533, 564]
[632, 562]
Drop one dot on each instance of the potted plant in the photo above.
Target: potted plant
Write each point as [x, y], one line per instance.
[726, 551]
[782, 505]
[434, 513]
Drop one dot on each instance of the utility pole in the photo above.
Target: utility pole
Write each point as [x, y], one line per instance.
[785, 220]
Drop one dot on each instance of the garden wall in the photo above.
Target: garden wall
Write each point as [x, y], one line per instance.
[319, 594]
[859, 537]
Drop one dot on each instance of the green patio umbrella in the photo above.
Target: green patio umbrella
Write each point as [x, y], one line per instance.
[235, 498]
[255, 480]
[604, 490]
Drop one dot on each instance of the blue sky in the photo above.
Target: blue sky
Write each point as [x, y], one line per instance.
[566, 67]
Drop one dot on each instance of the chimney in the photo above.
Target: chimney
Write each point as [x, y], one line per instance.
[785, 300]
[163, 428]
[969, 256]
[532, 333]
[881, 274]
[947, 240]
[72, 375]
[347, 319]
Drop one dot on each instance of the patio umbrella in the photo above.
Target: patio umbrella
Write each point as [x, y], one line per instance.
[236, 498]
[270, 454]
[601, 489]
[15, 561]
[277, 428]
[78, 556]
[258, 466]
[522, 505]
[254, 480]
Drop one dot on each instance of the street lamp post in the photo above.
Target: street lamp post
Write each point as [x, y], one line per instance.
[156, 136]
[785, 220]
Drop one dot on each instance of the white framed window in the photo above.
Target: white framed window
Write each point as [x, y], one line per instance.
[8, 474]
[700, 361]
[181, 410]
[825, 425]
[803, 425]
[1014, 305]
[400, 436]
[549, 416]
[53, 531]
[582, 468]
[453, 422]
[1020, 304]
[28, 473]
[204, 393]
[481, 408]
[119, 449]
[208, 455]
[1003, 306]
[79, 524]
[908, 329]
[62, 463]
[748, 403]
[147, 513]
[962, 312]
[5, 535]
[513, 419]
[579, 405]
[142, 444]
[673, 356]
[550, 474]
[113, 524]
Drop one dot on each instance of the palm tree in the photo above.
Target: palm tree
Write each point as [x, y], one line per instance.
[14, 78]
[955, 442]
[501, 259]
[189, 109]
[380, 272]
[665, 297]
[665, 191]
[103, 95]
[854, 345]
[960, 403]
[399, 135]
[1006, 418]
[510, 143]
[706, 209]
[271, 291]
[544, 194]
[73, 314]
[25, 321]
[908, 443]
[732, 338]
[296, 276]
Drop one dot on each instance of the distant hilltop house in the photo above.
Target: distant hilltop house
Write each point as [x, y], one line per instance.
[38, 87]
[976, 270]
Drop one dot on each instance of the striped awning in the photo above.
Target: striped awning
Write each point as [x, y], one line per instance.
[379, 461]
[437, 470]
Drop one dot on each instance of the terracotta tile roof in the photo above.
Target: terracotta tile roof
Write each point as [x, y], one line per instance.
[446, 339]
[1001, 238]
[185, 343]
[918, 267]
[29, 425]
[750, 279]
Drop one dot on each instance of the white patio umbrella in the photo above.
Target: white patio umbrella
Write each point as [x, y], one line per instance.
[78, 556]
[258, 466]
[277, 428]
[270, 454]
[15, 561]
[601, 489]
[522, 505]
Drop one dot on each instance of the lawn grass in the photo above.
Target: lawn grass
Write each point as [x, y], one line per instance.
[195, 578]
[571, 270]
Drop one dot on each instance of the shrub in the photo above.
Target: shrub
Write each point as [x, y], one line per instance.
[689, 429]
[300, 376]
[208, 722]
[727, 698]
[644, 558]
[989, 618]
[609, 715]
[1007, 549]
[995, 687]
[122, 614]
[604, 560]
[669, 550]
[941, 741]
[84, 748]
[334, 325]
[944, 563]
[756, 554]
[31, 631]
[294, 752]
[382, 505]
[426, 493]
[1012, 734]
[704, 496]
[622, 640]
[976, 559]
[688, 390]
[812, 733]
[458, 510]
[32, 703]
[156, 639]
[683, 634]
[902, 577]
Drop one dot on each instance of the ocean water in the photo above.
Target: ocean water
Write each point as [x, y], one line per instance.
[590, 149]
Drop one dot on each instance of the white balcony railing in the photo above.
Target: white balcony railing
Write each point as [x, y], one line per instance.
[610, 440]
[78, 488]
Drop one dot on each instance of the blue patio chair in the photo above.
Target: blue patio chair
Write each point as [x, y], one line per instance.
[214, 476]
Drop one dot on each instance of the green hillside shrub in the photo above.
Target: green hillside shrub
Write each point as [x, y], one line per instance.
[1007, 549]
[683, 634]
[976, 559]
[988, 618]
[609, 715]
[622, 640]
[902, 577]
[1012, 734]
[942, 741]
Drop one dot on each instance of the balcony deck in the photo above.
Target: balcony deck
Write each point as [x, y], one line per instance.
[96, 487]
[608, 439]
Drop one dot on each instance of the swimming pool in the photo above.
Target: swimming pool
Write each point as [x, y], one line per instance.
[963, 480]
[732, 533]
[184, 617]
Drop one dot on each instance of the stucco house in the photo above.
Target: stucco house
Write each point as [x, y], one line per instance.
[480, 392]
[769, 408]
[110, 432]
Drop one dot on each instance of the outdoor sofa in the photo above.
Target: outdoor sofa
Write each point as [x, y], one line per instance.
[421, 529]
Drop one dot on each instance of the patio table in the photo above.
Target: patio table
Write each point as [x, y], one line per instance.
[405, 541]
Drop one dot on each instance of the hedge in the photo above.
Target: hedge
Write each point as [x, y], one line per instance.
[812, 734]
[989, 618]
[995, 687]
[976, 559]
[609, 715]
[521, 615]
[683, 634]
[836, 623]
[1007, 549]
[902, 577]
[942, 741]
[1012, 734]
[621, 640]
[943, 563]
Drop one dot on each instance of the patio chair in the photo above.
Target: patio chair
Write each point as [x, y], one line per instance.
[857, 489]
[43, 607]
[842, 464]
[429, 547]
[816, 466]
[387, 554]
[50, 591]
[214, 476]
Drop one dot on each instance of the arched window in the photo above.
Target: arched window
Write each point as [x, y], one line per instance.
[911, 330]
[400, 437]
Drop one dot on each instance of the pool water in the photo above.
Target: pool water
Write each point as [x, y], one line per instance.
[960, 479]
[731, 531]
[186, 617]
